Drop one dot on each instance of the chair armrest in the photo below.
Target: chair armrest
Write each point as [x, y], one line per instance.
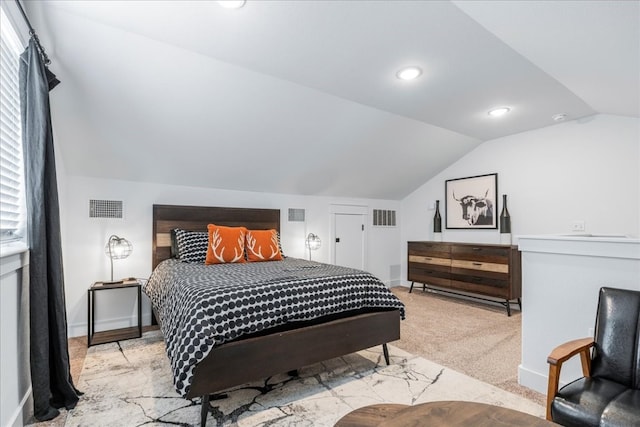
[569, 349]
[561, 354]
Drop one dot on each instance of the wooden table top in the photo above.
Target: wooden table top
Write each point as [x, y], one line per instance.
[440, 414]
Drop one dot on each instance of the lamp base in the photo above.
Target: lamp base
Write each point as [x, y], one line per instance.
[112, 282]
[119, 282]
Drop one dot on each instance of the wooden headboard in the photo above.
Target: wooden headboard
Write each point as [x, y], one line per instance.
[196, 218]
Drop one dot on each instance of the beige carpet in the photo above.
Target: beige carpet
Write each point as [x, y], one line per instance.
[475, 338]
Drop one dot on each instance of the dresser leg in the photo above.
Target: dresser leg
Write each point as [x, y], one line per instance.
[411, 288]
[508, 308]
[520, 304]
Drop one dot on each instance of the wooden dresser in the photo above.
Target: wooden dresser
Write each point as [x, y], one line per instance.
[484, 270]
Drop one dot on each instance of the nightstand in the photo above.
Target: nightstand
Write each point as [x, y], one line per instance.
[102, 337]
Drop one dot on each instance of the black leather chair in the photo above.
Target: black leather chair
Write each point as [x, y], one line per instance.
[609, 393]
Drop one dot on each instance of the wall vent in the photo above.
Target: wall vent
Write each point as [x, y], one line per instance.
[296, 215]
[384, 218]
[105, 209]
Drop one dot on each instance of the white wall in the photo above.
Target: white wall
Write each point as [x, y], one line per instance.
[586, 169]
[561, 280]
[84, 238]
[15, 383]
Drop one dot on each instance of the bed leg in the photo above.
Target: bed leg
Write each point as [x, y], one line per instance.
[204, 410]
[385, 350]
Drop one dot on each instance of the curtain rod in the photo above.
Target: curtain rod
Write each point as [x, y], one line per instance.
[33, 34]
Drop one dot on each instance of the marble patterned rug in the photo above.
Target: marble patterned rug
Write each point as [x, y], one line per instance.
[129, 383]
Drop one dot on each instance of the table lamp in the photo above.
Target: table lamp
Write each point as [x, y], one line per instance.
[117, 248]
[313, 243]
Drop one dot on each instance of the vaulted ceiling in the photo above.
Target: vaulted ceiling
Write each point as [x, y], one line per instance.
[302, 97]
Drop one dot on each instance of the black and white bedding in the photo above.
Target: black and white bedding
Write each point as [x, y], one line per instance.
[202, 306]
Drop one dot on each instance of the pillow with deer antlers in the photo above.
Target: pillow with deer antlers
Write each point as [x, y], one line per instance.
[226, 244]
[262, 245]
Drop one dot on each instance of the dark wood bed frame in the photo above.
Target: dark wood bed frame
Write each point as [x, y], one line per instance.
[255, 358]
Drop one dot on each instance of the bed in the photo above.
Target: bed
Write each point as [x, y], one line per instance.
[249, 357]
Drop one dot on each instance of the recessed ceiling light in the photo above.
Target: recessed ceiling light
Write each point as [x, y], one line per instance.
[409, 73]
[231, 4]
[559, 117]
[500, 111]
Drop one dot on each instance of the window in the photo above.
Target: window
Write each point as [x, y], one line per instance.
[12, 203]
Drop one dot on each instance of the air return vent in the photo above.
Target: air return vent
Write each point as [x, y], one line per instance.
[105, 209]
[384, 218]
[296, 215]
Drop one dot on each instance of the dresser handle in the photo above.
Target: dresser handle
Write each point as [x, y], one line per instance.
[476, 249]
[477, 263]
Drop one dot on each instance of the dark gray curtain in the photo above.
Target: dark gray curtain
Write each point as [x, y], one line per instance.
[50, 377]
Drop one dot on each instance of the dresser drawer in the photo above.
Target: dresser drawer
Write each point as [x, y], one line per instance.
[476, 266]
[437, 276]
[430, 249]
[479, 253]
[420, 259]
[482, 285]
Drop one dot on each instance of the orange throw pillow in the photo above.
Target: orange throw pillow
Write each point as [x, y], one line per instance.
[226, 244]
[262, 245]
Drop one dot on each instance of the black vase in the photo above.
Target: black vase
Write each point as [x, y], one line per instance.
[505, 218]
[437, 219]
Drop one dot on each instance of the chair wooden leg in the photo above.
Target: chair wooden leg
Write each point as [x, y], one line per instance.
[554, 379]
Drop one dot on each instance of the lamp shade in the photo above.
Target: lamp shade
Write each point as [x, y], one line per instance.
[117, 248]
[313, 241]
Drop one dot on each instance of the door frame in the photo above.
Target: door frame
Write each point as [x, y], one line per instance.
[336, 209]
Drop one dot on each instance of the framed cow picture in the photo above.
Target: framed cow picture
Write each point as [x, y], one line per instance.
[472, 202]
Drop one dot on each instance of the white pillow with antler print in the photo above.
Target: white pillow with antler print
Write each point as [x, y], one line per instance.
[262, 245]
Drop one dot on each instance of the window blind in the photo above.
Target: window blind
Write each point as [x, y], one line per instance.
[12, 204]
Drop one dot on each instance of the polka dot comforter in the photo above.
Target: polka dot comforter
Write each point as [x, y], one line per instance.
[202, 306]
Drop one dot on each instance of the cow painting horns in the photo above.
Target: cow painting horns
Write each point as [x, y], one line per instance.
[476, 210]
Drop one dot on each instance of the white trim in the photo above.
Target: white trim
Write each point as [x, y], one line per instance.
[17, 21]
[20, 415]
[349, 209]
[586, 245]
[81, 329]
[534, 380]
[9, 250]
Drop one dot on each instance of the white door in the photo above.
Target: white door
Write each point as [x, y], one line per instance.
[349, 240]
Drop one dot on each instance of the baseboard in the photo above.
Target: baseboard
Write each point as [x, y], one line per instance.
[81, 329]
[533, 380]
[23, 412]
[394, 283]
